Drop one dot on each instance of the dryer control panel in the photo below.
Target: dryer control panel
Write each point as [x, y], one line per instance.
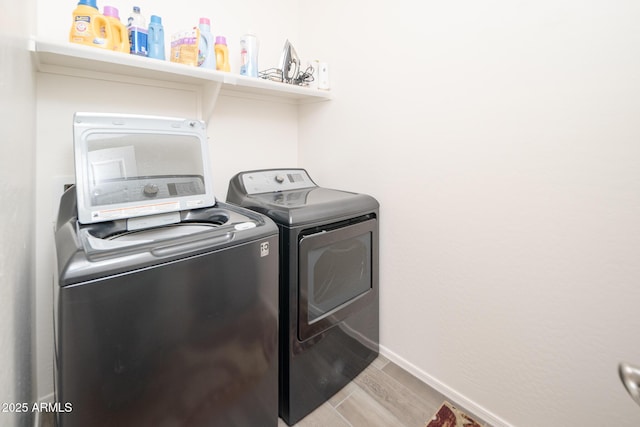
[273, 180]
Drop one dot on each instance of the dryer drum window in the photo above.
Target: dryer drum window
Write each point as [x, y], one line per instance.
[336, 276]
[337, 273]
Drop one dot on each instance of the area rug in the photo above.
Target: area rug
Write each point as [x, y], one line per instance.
[450, 416]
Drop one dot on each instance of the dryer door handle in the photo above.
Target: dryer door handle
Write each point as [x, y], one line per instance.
[190, 247]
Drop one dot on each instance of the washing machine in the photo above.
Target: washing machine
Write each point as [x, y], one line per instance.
[165, 300]
[328, 282]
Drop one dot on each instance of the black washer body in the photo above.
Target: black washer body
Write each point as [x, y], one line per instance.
[329, 309]
[176, 330]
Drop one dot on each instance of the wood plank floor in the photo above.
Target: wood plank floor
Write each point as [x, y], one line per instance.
[383, 395]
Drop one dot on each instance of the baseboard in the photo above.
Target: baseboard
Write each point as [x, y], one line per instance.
[450, 393]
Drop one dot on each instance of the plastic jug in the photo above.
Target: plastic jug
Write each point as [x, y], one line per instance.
[137, 27]
[119, 35]
[249, 55]
[89, 27]
[184, 47]
[155, 38]
[222, 54]
[206, 54]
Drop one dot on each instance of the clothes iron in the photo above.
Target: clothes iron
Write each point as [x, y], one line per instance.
[289, 63]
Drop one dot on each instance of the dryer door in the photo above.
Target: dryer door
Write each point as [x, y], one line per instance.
[337, 273]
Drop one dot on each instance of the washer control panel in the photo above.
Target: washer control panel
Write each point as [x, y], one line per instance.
[143, 189]
[268, 181]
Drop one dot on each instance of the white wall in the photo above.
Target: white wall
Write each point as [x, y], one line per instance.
[244, 133]
[17, 143]
[501, 139]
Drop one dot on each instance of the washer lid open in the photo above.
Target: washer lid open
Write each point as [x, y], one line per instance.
[131, 165]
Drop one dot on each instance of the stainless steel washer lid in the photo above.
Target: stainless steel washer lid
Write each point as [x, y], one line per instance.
[131, 165]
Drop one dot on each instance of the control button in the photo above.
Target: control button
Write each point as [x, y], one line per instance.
[279, 179]
[150, 190]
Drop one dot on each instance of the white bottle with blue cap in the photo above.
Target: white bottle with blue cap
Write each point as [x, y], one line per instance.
[137, 26]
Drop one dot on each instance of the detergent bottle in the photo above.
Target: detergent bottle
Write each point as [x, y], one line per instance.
[206, 54]
[155, 38]
[222, 54]
[89, 26]
[137, 28]
[119, 35]
[249, 55]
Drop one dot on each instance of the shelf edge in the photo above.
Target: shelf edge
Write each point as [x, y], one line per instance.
[57, 55]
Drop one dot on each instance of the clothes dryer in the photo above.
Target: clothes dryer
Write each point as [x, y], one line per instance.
[328, 282]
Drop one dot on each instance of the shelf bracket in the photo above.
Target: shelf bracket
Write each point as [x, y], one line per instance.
[208, 97]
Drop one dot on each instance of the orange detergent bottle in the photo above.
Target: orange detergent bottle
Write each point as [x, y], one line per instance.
[90, 27]
[119, 33]
[222, 54]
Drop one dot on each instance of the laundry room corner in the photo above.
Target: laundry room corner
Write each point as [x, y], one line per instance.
[251, 134]
[458, 196]
[243, 131]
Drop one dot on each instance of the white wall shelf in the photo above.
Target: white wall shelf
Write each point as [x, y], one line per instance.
[84, 61]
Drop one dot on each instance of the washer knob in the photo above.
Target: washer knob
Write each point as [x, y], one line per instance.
[279, 179]
[150, 190]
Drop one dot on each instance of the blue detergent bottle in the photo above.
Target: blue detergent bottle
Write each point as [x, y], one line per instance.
[155, 38]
